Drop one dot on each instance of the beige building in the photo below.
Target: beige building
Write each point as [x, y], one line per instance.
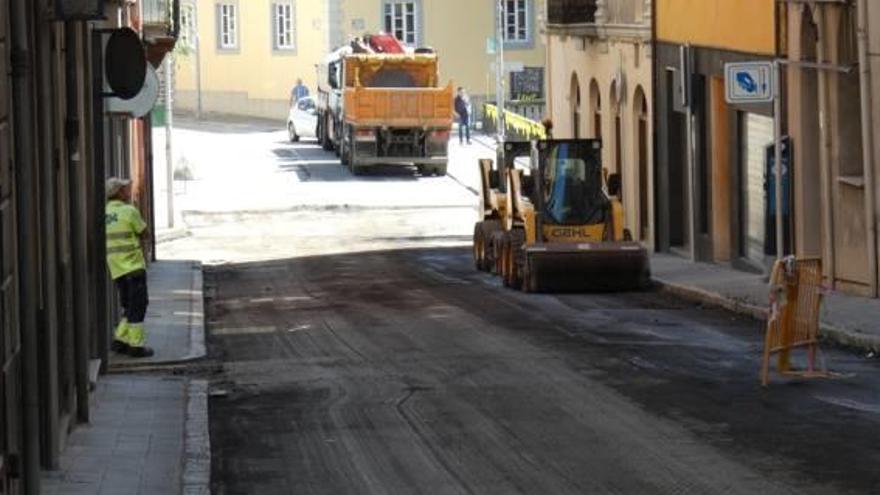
[245, 55]
[833, 112]
[599, 86]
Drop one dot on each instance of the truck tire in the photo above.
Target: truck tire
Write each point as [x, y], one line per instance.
[345, 154]
[440, 170]
[326, 145]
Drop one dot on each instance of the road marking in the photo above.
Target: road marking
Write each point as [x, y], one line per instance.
[243, 331]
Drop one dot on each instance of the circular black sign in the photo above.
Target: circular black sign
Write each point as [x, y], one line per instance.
[125, 63]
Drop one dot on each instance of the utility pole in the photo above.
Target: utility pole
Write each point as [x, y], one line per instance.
[499, 69]
[169, 155]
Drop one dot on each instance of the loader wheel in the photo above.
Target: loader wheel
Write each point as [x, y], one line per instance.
[506, 259]
[516, 243]
[483, 256]
[494, 249]
[529, 280]
[479, 248]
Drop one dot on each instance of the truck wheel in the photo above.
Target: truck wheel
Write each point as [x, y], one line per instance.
[326, 145]
[344, 154]
[440, 170]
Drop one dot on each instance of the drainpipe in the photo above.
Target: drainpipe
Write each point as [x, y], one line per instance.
[827, 194]
[28, 248]
[867, 142]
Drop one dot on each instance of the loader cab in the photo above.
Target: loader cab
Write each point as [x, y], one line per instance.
[508, 156]
[569, 192]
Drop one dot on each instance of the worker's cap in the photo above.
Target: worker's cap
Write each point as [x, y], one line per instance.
[114, 185]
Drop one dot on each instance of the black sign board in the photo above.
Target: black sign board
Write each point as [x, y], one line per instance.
[527, 84]
[125, 63]
[75, 10]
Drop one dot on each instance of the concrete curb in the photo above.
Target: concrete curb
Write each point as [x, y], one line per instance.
[828, 333]
[171, 235]
[196, 479]
[197, 349]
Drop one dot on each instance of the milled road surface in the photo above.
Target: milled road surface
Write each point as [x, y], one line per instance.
[408, 372]
[361, 353]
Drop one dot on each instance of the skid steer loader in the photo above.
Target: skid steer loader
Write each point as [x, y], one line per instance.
[488, 233]
[560, 228]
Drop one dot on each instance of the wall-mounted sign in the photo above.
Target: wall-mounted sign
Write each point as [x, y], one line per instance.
[74, 10]
[750, 82]
[142, 103]
[125, 63]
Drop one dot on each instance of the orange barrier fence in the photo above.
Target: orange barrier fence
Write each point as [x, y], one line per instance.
[795, 298]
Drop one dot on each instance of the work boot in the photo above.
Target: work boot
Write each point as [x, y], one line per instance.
[140, 352]
[119, 347]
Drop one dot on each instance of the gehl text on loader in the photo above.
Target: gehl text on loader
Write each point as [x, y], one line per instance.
[558, 224]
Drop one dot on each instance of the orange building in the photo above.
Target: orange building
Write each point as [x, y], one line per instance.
[709, 155]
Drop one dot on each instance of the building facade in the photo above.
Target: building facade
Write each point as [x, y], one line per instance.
[832, 53]
[710, 155]
[599, 79]
[58, 144]
[244, 57]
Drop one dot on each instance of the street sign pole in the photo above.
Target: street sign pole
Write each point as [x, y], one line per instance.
[777, 131]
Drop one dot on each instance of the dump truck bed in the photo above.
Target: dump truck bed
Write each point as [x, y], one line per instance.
[399, 107]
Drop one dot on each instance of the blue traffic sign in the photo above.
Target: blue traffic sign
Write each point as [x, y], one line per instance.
[750, 82]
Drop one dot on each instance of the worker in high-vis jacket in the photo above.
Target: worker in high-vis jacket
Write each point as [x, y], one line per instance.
[126, 232]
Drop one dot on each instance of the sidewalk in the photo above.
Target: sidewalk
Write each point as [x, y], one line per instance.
[847, 320]
[175, 317]
[148, 436]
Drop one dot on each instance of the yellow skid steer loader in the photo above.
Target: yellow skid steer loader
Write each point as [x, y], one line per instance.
[561, 226]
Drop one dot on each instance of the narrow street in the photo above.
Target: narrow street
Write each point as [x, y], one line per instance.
[362, 353]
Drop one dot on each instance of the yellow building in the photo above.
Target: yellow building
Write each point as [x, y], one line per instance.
[244, 56]
[248, 54]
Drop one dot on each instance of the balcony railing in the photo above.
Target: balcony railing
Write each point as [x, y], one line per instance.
[571, 11]
[161, 16]
[625, 12]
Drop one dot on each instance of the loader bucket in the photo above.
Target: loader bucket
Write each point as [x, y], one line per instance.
[586, 267]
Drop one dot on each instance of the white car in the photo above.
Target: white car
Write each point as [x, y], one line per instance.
[302, 120]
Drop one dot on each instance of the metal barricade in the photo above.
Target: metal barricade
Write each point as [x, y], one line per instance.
[795, 301]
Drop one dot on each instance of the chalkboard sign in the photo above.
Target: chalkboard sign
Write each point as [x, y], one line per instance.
[73, 10]
[527, 84]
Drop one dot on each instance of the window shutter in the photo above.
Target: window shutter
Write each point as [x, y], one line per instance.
[218, 15]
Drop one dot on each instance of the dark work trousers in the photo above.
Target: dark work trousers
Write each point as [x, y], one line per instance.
[464, 129]
[133, 296]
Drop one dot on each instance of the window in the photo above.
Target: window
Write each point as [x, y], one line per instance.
[227, 29]
[284, 33]
[516, 21]
[400, 20]
[187, 25]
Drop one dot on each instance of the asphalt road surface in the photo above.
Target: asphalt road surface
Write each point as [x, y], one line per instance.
[360, 352]
[408, 372]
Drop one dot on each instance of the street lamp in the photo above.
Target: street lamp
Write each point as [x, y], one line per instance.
[499, 69]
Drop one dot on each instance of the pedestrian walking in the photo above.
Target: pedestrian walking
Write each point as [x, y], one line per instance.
[462, 110]
[298, 92]
[126, 231]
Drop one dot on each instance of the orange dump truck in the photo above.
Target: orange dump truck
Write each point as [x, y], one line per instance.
[384, 107]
